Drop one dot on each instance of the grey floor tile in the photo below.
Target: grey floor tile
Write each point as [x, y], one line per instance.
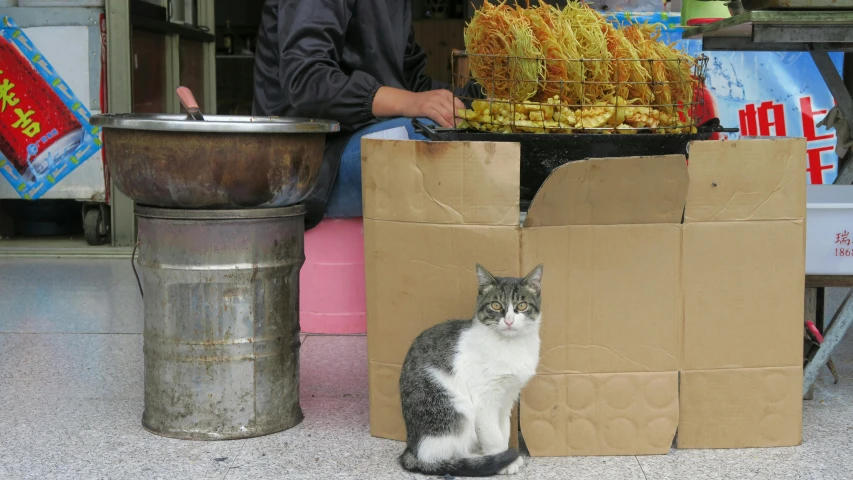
[68, 295]
[6, 342]
[93, 438]
[592, 468]
[334, 366]
[25, 315]
[82, 275]
[760, 464]
[63, 366]
[117, 309]
[333, 440]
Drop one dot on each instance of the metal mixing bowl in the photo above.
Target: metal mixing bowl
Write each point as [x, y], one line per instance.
[222, 162]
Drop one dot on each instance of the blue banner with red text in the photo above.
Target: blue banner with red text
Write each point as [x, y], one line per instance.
[763, 94]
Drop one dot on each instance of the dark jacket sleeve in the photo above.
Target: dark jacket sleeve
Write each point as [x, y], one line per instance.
[311, 38]
[415, 63]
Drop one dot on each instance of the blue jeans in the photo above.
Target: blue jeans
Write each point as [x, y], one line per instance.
[345, 201]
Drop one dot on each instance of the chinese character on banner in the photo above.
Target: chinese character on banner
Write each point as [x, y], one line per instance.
[809, 121]
[821, 148]
[842, 238]
[44, 128]
[757, 121]
[816, 165]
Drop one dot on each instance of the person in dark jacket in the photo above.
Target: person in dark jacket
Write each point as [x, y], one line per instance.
[353, 61]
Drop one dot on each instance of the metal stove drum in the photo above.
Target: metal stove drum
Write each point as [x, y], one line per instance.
[220, 247]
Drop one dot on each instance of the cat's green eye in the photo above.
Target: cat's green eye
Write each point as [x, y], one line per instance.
[521, 307]
[496, 306]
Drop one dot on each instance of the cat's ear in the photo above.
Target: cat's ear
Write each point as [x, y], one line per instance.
[533, 280]
[484, 279]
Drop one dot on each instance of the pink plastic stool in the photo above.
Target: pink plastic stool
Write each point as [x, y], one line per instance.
[332, 295]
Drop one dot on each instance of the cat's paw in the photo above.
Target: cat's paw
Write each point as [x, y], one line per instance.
[513, 467]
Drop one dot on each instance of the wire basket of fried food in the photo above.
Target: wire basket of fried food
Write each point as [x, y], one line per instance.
[664, 106]
[548, 70]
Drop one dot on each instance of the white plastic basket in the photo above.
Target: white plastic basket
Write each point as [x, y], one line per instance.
[829, 230]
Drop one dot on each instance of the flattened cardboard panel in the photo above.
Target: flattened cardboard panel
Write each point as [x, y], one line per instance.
[555, 248]
[513, 426]
[743, 294]
[419, 275]
[612, 191]
[611, 297]
[746, 180]
[441, 182]
[600, 414]
[741, 408]
[386, 411]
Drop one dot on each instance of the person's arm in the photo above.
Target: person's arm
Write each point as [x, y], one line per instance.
[311, 42]
[311, 36]
[438, 105]
[414, 66]
[433, 99]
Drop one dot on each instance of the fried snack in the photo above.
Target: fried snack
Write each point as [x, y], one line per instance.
[509, 61]
[547, 69]
[552, 117]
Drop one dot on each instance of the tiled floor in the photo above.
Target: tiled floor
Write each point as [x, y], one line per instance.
[71, 401]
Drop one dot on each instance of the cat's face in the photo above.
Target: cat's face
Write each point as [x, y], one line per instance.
[510, 306]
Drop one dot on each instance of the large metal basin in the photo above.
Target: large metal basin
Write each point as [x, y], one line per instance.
[223, 162]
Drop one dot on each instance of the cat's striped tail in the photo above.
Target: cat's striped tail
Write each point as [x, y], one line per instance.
[484, 466]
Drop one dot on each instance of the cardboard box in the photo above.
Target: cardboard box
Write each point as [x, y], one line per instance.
[672, 293]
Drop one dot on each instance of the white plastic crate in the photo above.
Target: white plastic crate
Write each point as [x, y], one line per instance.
[829, 230]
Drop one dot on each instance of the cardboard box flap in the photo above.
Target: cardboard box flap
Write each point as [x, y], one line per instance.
[743, 295]
[611, 297]
[600, 414]
[612, 191]
[474, 183]
[746, 180]
[745, 408]
[423, 274]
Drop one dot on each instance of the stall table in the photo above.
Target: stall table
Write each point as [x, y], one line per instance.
[816, 32]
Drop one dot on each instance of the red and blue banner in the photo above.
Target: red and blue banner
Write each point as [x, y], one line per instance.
[44, 128]
[763, 94]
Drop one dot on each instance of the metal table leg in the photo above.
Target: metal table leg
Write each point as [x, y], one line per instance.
[832, 337]
[842, 96]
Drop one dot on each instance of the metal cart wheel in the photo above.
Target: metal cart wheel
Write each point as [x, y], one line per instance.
[95, 227]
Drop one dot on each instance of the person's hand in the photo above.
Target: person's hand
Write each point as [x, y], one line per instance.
[438, 105]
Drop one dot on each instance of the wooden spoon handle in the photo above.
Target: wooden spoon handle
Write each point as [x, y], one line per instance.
[187, 98]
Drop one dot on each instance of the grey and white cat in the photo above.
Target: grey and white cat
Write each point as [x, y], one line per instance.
[461, 378]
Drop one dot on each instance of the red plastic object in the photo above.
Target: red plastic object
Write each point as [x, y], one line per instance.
[701, 21]
[814, 331]
[332, 285]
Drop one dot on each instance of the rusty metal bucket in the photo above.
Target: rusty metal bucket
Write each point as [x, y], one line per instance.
[221, 334]
[221, 162]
